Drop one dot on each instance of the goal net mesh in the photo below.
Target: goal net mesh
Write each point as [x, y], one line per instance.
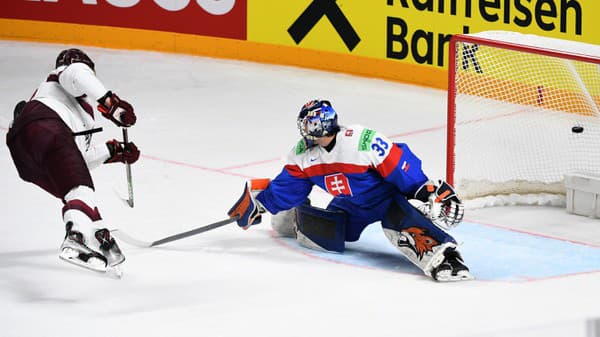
[523, 111]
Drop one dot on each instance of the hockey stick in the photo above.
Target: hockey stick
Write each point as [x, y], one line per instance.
[128, 170]
[144, 244]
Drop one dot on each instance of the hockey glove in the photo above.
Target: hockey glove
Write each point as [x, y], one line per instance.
[440, 204]
[126, 153]
[117, 110]
[247, 209]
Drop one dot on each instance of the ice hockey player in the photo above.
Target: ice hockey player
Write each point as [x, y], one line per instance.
[371, 179]
[50, 143]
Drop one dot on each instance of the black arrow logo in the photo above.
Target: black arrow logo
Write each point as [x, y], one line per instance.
[314, 12]
[469, 55]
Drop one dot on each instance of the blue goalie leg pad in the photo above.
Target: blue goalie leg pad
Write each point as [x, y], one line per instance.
[417, 238]
[402, 216]
[324, 228]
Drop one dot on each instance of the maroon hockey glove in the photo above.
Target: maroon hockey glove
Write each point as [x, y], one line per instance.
[117, 110]
[120, 152]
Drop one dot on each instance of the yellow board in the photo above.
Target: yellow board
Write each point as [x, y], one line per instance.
[417, 31]
[128, 38]
[403, 40]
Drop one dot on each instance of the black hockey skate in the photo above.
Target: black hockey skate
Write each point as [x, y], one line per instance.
[109, 247]
[99, 253]
[452, 268]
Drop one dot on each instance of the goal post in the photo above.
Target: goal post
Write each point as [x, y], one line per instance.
[523, 111]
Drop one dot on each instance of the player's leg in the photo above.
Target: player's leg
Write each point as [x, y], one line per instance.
[86, 242]
[45, 154]
[85, 231]
[427, 246]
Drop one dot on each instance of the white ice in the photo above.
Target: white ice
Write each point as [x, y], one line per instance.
[205, 126]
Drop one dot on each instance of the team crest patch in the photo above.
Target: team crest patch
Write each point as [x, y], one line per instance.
[338, 185]
[417, 240]
[349, 133]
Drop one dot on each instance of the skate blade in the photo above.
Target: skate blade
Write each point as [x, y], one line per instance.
[114, 271]
[114, 260]
[460, 276]
[93, 264]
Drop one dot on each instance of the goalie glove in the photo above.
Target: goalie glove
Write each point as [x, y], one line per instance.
[440, 204]
[247, 210]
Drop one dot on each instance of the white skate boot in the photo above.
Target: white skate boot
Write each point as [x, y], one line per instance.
[98, 252]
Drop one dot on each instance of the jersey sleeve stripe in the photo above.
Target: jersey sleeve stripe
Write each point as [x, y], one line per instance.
[295, 171]
[325, 169]
[390, 163]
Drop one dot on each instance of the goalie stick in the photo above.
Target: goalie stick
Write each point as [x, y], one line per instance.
[145, 244]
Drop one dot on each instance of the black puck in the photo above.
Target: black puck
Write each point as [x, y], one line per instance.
[577, 129]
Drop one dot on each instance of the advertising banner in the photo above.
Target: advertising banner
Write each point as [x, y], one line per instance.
[215, 18]
[403, 40]
[413, 31]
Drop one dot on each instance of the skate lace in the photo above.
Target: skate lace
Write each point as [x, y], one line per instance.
[75, 236]
[106, 241]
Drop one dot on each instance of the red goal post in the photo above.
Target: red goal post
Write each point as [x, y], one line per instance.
[523, 111]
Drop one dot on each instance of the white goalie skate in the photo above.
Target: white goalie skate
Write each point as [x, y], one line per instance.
[99, 253]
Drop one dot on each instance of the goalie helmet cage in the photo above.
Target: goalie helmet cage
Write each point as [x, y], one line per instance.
[523, 111]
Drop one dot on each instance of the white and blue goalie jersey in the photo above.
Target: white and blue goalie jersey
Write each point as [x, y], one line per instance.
[364, 167]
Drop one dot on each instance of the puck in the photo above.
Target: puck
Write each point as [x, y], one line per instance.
[577, 129]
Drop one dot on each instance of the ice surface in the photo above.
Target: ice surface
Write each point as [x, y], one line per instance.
[205, 125]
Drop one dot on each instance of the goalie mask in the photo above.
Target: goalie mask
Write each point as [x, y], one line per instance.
[317, 119]
[73, 55]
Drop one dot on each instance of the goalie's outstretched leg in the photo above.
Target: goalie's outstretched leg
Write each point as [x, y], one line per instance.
[426, 245]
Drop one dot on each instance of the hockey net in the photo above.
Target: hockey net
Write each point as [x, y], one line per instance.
[523, 111]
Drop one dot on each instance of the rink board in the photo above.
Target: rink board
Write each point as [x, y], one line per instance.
[492, 254]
